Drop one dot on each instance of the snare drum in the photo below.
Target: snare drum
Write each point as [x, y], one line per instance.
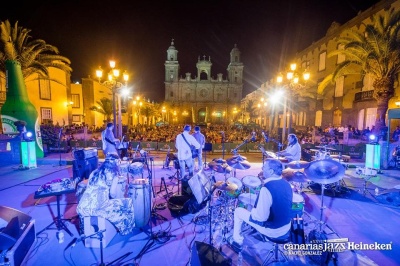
[297, 205]
[247, 201]
[139, 192]
[236, 193]
[136, 168]
[252, 184]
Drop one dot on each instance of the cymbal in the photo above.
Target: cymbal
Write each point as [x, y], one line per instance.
[219, 160]
[298, 164]
[291, 175]
[226, 186]
[271, 154]
[325, 171]
[220, 168]
[237, 157]
[242, 165]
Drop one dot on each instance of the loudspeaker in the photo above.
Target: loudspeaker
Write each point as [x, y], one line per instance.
[17, 237]
[82, 168]
[206, 255]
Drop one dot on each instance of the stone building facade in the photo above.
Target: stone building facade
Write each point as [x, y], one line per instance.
[203, 98]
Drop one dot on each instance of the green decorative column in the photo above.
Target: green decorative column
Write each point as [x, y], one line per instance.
[18, 107]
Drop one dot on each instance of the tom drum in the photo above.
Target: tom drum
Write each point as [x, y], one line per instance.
[297, 205]
[247, 201]
[234, 194]
[252, 184]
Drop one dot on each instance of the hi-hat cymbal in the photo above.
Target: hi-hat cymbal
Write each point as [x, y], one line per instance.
[325, 171]
[226, 186]
[220, 168]
[242, 165]
[291, 175]
[298, 164]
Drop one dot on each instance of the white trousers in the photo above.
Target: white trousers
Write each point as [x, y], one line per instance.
[242, 215]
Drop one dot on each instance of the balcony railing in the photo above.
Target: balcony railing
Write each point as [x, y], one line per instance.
[364, 96]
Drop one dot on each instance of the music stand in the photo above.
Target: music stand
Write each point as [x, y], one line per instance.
[58, 222]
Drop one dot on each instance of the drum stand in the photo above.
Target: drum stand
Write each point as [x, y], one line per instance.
[153, 238]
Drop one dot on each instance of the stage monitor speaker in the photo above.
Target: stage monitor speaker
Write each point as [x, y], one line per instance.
[82, 168]
[17, 237]
[206, 255]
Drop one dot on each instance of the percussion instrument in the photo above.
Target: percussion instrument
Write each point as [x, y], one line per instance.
[283, 160]
[247, 201]
[124, 168]
[234, 193]
[321, 155]
[271, 155]
[325, 171]
[220, 167]
[219, 160]
[232, 187]
[136, 168]
[242, 165]
[237, 157]
[139, 192]
[121, 187]
[291, 175]
[252, 184]
[297, 205]
[80, 188]
[298, 164]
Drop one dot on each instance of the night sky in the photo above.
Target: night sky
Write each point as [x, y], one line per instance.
[136, 34]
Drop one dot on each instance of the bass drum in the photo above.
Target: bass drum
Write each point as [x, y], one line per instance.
[140, 192]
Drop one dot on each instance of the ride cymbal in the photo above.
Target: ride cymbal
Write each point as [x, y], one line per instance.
[220, 168]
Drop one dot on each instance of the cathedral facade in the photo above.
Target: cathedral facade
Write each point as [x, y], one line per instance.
[203, 98]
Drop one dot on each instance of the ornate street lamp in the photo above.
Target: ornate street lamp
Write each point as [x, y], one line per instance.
[292, 84]
[116, 89]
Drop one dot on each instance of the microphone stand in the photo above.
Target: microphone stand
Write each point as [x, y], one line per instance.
[59, 144]
[223, 144]
[99, 235]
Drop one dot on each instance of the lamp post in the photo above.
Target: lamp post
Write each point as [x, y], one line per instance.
[115, 87]
[292, 84]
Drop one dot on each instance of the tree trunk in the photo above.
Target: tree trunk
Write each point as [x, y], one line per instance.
[382, 106]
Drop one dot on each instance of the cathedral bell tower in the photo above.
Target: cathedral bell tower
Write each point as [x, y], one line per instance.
[235, 67]
[171, 64]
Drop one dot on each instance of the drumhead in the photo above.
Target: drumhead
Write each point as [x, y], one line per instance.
[136, 165]
[251, 181]
[235, 181]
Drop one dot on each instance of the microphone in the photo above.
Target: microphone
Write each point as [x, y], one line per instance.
[265, 137]
[137, 148]
[253, 138]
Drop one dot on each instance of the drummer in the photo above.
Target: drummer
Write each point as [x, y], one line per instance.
[271, 214]
[293, 149]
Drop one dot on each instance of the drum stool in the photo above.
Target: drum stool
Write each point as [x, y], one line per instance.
[275, 251]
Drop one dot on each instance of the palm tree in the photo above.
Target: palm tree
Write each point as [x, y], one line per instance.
[252, 109]
[376, 52]
[35, 56]
[105, 108]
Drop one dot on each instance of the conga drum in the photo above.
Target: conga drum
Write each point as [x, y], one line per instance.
[136, 168]
[140, 192]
